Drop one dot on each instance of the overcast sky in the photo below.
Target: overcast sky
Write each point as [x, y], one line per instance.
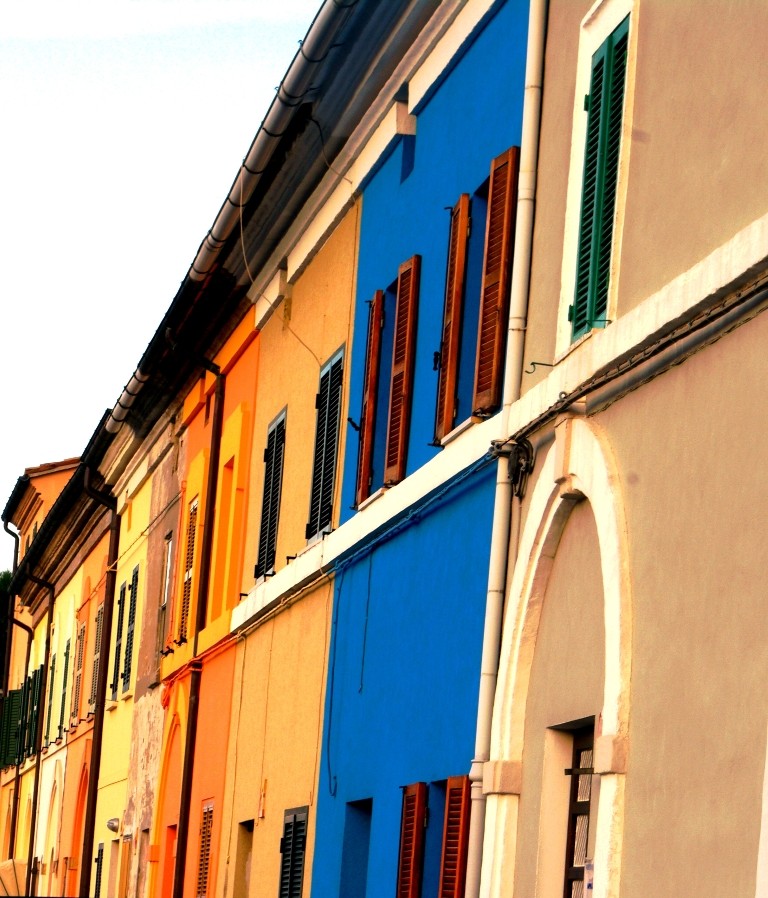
[123, 125]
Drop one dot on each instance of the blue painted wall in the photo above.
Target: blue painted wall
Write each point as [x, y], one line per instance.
[401, 699]
[403, 668]
[474, 115]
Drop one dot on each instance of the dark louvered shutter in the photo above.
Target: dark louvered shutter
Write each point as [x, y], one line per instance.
[293, 847]
[10, 727]
[35, 686]
[274, 456]
[605, 105]
[403, 361]
[133, 591]
[96, 657]
[74, 712]
[453, 864]
[497, 269]
[326, 443]
[99, 861]
[186, 595]
[370, 389]
[411, 860]
[64, 678]
[452, 312]
[5, 722]
[118, 642]
[204, 855]
[51, 681]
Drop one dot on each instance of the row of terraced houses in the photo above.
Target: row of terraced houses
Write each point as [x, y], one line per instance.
[420, 555]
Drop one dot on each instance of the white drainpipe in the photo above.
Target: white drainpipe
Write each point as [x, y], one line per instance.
[500, 534]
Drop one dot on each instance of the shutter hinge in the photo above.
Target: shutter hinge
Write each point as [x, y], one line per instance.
[586, 102]
[570, 313]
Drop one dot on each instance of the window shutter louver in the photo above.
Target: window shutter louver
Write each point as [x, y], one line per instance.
[35, 681]
[454, 301]
[403, 359]
[20, 736]
[274, 456]
[293, 850]
[96, 657]
[601, 169]
[10, 727]
[409, 868]
[79, 651]
[133, 591]
[370, 389]
[204, 858]
[453, 864]
[186, 596]
[51, 680]
[497, 269]
[5, 724]
[64, 688]
[326, 442]
[118, 642]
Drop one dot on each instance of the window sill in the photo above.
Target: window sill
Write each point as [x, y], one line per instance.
[372, 498]
[460, 429]
[575, 345]
[110, 705]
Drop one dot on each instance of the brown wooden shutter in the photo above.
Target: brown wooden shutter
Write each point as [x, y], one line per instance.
[370, 388]
[403, 359]
[409, 868]
[204, 856]
[497, 268]
[454, 301]
[453, 863]
[186, 595]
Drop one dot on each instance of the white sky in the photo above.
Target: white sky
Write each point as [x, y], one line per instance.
[122, 125]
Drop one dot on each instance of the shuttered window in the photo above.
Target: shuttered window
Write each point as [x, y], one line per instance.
[204, 855]
[450, 343]
[403, 359]
[133, 591]
[274, 455]
[12, 706]
[51, 681]
[96, 657]
[64, 679]
[411, 858]
[370, 390]
[578, 812]
[186, 595]
[27, 731]
[118, 641]
[328, 404]
[453, 863]
[79, 652]
[293, 847]
[604, 105]
[494, 291]
[99, 861]
[162, 610]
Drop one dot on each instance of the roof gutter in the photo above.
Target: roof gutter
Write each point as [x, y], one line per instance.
[290, 95]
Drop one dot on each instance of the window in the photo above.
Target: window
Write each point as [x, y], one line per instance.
[99, 861]
[604, 106]
[383, 451]
[274, 455]
[186, 596]
[162, 610]
[51, 680]
[204, 857]
[79, 652]
[421, 848]
[10, 727]
[328, 403]
[118, 641]
[355, 849]
[96, 658]
[133, 591]
[576, 850]
[67, 650]
[293, 846]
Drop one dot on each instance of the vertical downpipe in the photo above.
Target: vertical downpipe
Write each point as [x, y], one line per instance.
[89, 825]
[503, 501]
[196, 667]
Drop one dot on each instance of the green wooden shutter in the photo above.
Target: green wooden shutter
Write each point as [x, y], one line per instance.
[452, 315]
[274, 455]
[10, 727]
[453, 863]
[403, 362]
[20, 740]
[96, 657]
[370, 390]
[605, 105]
[293, 847]
[326, 443]
[64, 688]
[412, 823]
[74, 711]
[118, 642]
[51, 680]
[133, 591]
[497, 270]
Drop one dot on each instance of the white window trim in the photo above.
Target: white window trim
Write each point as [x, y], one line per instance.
[601, 20]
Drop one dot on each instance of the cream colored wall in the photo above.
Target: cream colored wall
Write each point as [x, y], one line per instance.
[276, 736]
[566, 684]
[307, 328]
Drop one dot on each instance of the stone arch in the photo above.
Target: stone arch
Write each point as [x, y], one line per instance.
[578, 467]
